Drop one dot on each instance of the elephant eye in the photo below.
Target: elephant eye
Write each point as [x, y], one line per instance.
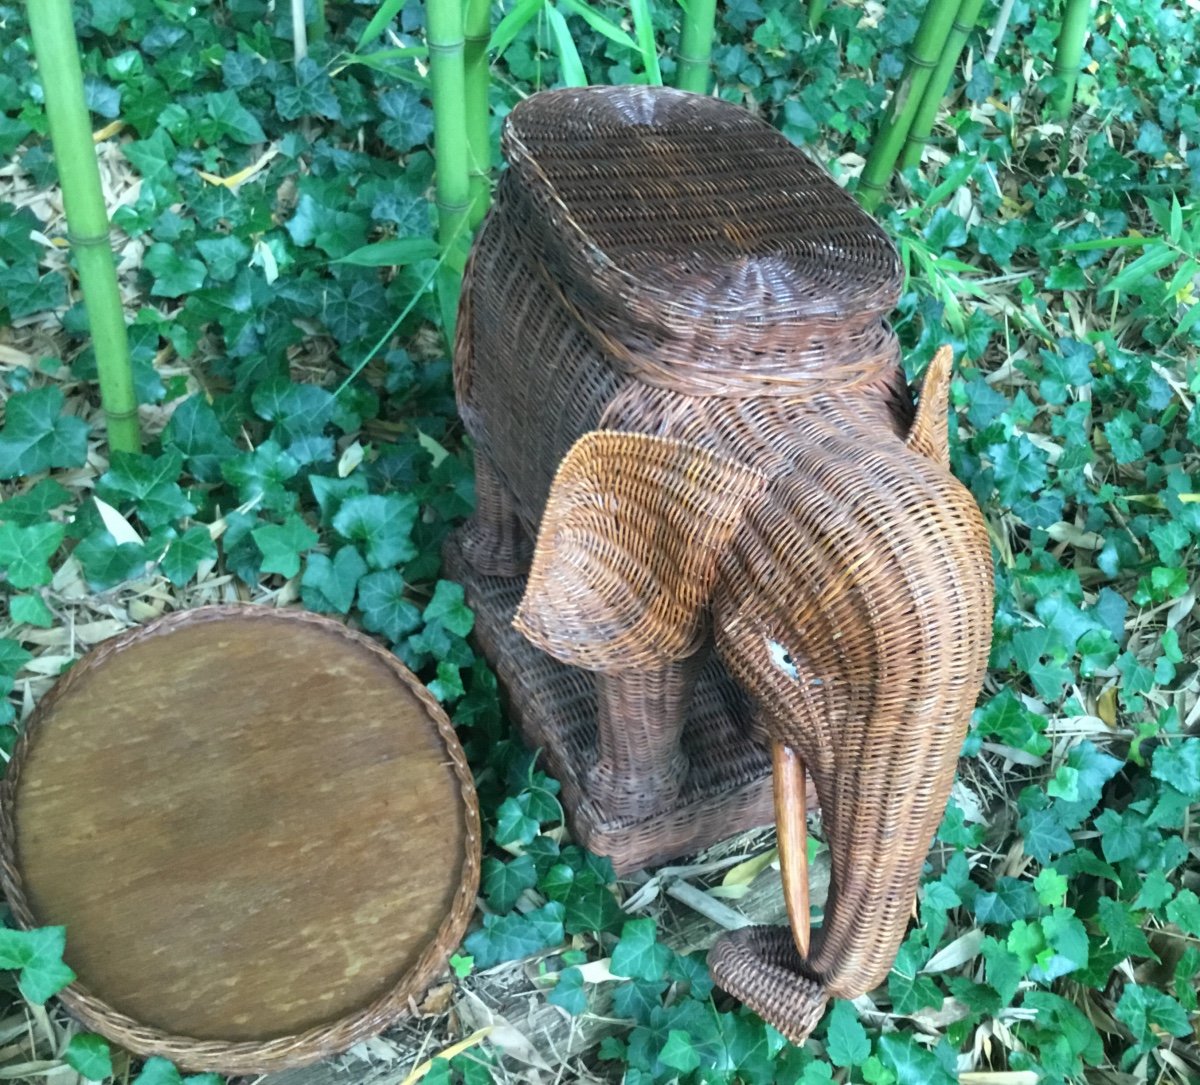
[782, 659]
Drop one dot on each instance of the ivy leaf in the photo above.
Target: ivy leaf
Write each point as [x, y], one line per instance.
[384, 607]
[1044, 835]
[383, 524]
[196, 432]
[447, 686]
[410, 120]
[157, 1071]
[328, 586]
[846, 1041]
[89, 1056]
[149, 482]
[1142, 1008]
[174, 275]
[513, 824]
[184, 554]
[35, 438]
[1184, 911]
[590, 906]
[679, 1053]
[296, 409]
[1178, 764]
[30, 610]
[282, 545]
[448, 607]
[232, 119]
[911, 1063]
[568, 992]
[25, 552]
[511, 937]
[504, 882]
[639, 955]
[38, 954]
[1067, 944]
[224, 256]
[35, 506]
[1123, 932]
[261, 475]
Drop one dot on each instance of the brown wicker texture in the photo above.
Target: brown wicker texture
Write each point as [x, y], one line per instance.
[696, 460]
[700, 248]
[258, 828]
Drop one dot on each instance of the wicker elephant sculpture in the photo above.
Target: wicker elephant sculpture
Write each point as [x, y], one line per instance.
[694, 439]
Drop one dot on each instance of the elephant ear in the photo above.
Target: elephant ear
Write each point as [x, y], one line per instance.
[928, 435]
[627, 550]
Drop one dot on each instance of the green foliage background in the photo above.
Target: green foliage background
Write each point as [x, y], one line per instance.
[1061, 264]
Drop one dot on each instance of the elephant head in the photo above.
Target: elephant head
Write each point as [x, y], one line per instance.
[850, 593]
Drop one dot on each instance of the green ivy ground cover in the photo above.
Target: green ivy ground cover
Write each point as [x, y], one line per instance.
[1059, 921]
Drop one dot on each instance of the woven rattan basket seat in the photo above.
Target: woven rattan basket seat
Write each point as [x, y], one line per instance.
[690, 238]
[258, 829]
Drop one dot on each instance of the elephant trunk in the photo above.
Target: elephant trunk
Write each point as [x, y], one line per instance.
[855, 605]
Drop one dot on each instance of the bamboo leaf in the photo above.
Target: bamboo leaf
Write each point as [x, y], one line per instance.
[1146, 264]
[395, 252]
[1131, 242]
[599, 23]
[643, 26]
[512, 24]
[568, 56]
[388, 10]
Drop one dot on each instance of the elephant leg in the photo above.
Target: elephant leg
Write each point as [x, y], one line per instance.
[495, 541]
[640, 766]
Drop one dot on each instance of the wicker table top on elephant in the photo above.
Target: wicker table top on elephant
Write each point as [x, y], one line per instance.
[686, 228]
[258, 829]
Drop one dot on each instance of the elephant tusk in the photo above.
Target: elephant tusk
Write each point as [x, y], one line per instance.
[790, 817]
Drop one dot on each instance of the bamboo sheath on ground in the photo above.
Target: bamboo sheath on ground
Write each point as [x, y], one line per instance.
[695, 46]
[54, 43]
[1069, 53]
[939, 82]
[926, 48]
[477, 30]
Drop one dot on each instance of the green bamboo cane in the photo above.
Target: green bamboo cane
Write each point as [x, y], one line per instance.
[927, 46]
[316, 29]
[444, 31]
[477, 28]
[939, 81]
[1068, 54]
[695, 46]
[57, 53]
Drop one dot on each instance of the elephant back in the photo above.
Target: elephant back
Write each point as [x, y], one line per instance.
[528, 380]
[699, 249]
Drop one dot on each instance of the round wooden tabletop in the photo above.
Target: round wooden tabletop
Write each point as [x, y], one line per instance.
[258, 829]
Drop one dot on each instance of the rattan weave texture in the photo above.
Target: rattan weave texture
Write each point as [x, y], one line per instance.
[673, 360]
[697, 245]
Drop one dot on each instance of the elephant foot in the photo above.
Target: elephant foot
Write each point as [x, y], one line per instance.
[761, 967]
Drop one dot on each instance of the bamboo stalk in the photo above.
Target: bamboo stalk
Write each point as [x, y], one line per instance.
[695, 46]
[923, 55]
[316, 29]
[57, 52]
[447, 82]
[1068, 54]
[477, 30]
[299, 32]
[939, 81]
[998, 30]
